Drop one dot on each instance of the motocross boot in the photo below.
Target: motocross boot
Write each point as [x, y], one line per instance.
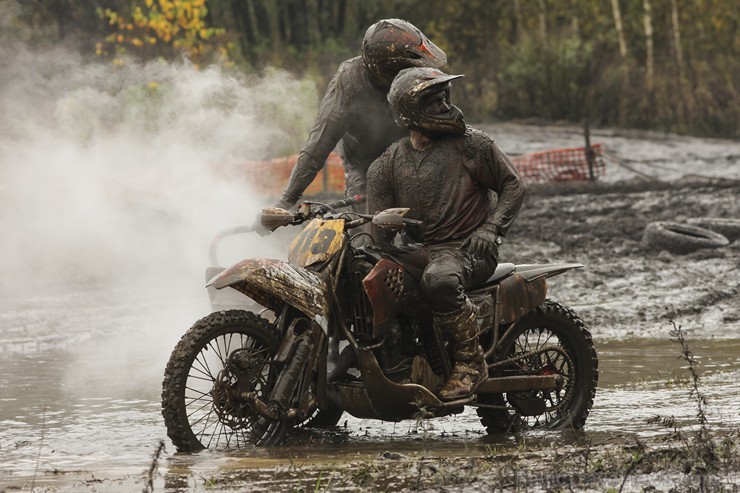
[470, 364]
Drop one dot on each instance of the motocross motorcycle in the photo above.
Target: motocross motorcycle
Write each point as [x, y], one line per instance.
[344, 329]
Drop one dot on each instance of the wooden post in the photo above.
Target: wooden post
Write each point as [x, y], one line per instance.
[326, 176]
[589, 151]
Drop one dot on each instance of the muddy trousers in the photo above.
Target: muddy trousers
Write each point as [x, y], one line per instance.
[449, 273]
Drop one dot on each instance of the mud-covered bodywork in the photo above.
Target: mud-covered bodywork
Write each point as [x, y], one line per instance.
[272, 283]
[385, 285]
[526, 288]
[319, 241]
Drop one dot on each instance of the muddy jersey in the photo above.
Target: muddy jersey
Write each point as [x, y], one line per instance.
[355, 113]
[447, 185]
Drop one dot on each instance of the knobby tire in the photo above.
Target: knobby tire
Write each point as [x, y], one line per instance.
[573, 336]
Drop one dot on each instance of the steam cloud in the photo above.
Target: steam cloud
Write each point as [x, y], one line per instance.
[117, 171]
[113, 181]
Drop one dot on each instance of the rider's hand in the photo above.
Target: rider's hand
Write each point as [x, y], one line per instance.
[482, 244]
[257, 226]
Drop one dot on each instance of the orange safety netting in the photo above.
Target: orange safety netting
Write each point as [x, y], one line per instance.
[559, 164]
[270, 177]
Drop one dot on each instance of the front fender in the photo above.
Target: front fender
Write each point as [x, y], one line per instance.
[272, 283]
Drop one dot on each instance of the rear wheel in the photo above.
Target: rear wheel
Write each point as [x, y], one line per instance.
[325, 418]
[550, 340]
[201, 401]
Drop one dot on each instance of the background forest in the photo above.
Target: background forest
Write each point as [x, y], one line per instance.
[669, 65]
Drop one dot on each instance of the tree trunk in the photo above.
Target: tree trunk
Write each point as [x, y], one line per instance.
[313, 23]
[272, 11]
[677, 39]
[649, 57]
[620, 30]
[574, 20]
[679, 62]
[254, 32]
[518, 19]
[543, 21]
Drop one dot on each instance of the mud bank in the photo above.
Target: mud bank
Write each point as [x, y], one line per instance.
[627, 289]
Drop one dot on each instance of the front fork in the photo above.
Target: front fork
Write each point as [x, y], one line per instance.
[292, 398]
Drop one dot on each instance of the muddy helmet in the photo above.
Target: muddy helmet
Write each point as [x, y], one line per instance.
[390, 45]
[420, 99]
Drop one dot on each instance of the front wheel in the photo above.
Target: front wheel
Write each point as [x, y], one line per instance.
[222, 356]
[550, 340]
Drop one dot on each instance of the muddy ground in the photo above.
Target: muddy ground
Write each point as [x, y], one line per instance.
[646, 431]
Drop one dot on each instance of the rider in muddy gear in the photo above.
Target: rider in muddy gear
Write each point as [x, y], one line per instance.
[355, 111]
[444, 172]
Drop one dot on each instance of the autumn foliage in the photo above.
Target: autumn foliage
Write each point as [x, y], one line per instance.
[163, 28]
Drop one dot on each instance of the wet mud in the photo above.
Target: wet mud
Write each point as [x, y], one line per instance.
[81, 364]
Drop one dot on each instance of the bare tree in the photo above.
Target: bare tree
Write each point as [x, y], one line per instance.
[618, 26]
[677, 39]
[543, 20]
[649, 57]
[518, 18]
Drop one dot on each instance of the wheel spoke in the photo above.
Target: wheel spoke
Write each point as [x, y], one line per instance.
[201, 394]
[215, 428]
[204, 362]
[203, 367]
[199, 409]
[217, 351]
[549, 361]
[551, 341]
[220, 358]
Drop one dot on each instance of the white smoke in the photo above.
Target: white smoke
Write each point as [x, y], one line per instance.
[113, 181]
[119, 170]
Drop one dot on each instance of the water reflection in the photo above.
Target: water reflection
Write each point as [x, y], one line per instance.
[630, 361]
[91, 409]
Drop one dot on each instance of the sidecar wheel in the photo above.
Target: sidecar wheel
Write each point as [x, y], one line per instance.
[200, 399]
[551, 325]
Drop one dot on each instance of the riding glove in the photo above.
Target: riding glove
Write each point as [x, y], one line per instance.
[482, 244]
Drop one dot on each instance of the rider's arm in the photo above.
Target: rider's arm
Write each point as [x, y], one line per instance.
[331, 124]
[498, 173]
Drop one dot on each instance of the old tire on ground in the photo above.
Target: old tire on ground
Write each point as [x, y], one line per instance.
[550, 325]
[727, 227]
[200, 395]
[681, 238]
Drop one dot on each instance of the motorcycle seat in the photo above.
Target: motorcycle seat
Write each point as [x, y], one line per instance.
[502, 270]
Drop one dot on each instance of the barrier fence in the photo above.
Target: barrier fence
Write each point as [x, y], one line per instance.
[570, 164]
[269, 177]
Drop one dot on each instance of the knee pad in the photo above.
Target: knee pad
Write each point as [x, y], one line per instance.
[442, 289]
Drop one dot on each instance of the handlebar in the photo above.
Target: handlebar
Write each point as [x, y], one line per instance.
[339, 204]
[304, 212]
[305, 208]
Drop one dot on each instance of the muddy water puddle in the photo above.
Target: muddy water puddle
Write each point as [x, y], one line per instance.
[90, 411]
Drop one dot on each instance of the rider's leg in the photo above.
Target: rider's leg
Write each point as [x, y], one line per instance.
[445, 279]
[470, 364]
